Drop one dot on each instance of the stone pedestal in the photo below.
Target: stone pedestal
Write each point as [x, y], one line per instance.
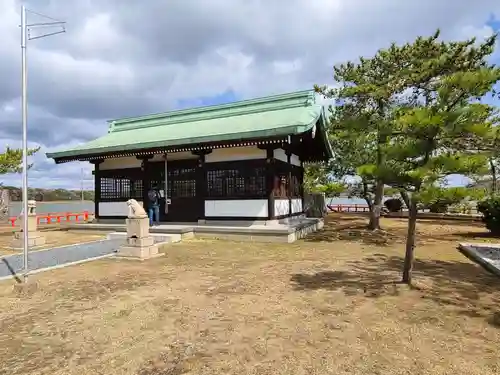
[140, 245]
[35, 238]
[32, 223]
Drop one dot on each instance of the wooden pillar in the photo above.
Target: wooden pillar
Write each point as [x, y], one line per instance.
[270, 175]
[301, 182]
[201, 180]
[289, 180]
[146, 178]
[97, 186]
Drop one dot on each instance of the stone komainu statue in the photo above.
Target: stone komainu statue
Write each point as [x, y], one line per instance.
[4, 204]
[31, 207]
[135, 210]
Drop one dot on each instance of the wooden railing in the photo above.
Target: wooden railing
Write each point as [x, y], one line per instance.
[348, 207]
[364, 208]
[58, 217]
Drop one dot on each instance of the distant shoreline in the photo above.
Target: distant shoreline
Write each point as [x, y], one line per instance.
[48, 202]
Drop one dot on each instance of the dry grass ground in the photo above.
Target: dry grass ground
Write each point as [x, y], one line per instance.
[53, 238]
[326, 305]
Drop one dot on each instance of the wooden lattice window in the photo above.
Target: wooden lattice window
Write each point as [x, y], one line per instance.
[296, 182]
[281, 185]
[108, 190]
[181, 183]
[120, 185]
[137, 189]
[236, 180]
[287, 182]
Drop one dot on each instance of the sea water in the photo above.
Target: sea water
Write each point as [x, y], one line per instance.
[53, 207]
[80, 206]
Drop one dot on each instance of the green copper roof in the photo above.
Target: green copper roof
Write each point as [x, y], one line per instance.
[271, 116]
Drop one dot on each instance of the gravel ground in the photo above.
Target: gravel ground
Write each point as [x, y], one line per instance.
[58, 255]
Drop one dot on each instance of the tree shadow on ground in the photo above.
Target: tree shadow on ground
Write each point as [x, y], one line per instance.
[465, 287]
[354, 228]
[474, 235]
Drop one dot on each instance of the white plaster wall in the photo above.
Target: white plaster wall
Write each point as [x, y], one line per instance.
[236, 153]
[236, 208]
[133, 162]
[295, 160]
[280, 154]
[119, 163]
[281, 207]
[181, 155]
[114, 208]
[296, 205]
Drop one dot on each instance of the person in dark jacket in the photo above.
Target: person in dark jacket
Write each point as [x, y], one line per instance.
[154, 206]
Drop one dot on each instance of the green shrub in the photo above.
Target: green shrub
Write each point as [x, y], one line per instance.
[464, 207]
[393, 205]
[490, 208]
[438, 207]
[438, 199]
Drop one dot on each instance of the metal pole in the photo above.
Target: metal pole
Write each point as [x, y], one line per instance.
[25, 141]
[81, 187]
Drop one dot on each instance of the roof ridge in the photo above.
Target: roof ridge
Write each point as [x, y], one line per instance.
[273, 101]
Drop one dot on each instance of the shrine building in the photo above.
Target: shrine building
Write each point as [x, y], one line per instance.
[238, 161]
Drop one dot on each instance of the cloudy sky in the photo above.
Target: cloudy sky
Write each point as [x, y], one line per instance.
[128, 57]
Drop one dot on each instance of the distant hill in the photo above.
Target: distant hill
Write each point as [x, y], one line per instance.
[48, 195]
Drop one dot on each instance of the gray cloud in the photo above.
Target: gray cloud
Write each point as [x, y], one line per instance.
[124, 57]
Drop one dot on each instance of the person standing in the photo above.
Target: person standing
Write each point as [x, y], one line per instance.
[154, 206]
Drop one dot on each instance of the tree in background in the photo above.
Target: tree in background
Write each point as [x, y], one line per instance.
[438, 199]
[360, 126]
[438, 119]
[315, 174]
[331, 190]
[490, 146]
[415, 111]
[10, 162]
[352, 149]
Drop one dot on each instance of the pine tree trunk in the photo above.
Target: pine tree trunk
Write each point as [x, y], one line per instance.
[367, 198]
[369, 203]
[405, 199]
[377, 206]
[493, 177]
[410, 242]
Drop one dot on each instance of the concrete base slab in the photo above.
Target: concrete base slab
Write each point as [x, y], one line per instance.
[295, 229]
[140, 252]
[12, 266]
[485, 254]
[118, 256]
[157, 237]
[141, 242]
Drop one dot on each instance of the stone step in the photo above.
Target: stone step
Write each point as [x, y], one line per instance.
[158, 237]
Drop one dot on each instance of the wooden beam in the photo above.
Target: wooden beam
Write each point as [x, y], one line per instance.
[146, 181]
[270, 146]
[289, 179]
[270, 174]
[180, 148]
[144, 157]
[97, 186]
[201, 153]
[201, 184]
